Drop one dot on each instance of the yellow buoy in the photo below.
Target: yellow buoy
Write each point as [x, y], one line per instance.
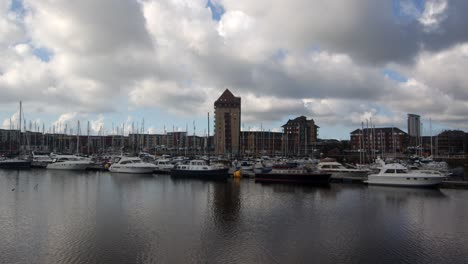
[237, 174]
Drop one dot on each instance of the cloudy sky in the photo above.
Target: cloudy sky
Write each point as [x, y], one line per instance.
[114, 62]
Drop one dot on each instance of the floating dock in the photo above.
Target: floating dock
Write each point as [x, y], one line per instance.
[454, 185]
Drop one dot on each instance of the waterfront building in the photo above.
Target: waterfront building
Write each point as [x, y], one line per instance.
[299, 136]
[451, 142]
[9, 140]
[227, 123]
[379, 140]
[261, 143]
[414, 129]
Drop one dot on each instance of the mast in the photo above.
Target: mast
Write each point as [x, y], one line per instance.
[9, 135]
[208, 138]
[186, 138]
[43, 136]
[361, 143]
[88, 138]
[122, 139]
[142, 134]
[194, 146]
[430, 128]
[78, 138]
[421, 130]
[20, 114]
[393, 141]
[305, 140]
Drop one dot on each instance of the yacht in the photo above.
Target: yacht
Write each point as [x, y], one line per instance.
[398, 175]
[131, 165]
[200, 169]
[40, 159]
[337, 170]
[163, 166]
[291, 174]
[262, 166]
[68, 162]
[15, 164]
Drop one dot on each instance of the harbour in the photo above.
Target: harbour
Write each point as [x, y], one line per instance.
[52, 216]
[159, 131]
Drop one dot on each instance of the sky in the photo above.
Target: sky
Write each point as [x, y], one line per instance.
[116, 63]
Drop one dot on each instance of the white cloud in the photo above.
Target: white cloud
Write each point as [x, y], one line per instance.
[322, 59]
[434, 13]
[12, 122]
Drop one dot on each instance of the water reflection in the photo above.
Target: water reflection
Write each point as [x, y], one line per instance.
[406, 193]
[295, 188]
[98, 217]
[226, 202]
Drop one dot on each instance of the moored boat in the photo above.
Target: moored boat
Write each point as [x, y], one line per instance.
[398, 175]
[15, 164]
[200, 169]
[338, 171]
[163, 166]
[287, 174]
[131, 165]
[40, 159]
[68, 162]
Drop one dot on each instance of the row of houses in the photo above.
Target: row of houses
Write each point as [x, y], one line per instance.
[394, 140]
[299, 138]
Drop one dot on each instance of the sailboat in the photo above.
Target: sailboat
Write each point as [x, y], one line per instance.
[16, 163]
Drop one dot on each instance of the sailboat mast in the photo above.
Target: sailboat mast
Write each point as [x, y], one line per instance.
[20, 114]
[78, 137]
[430, 128]
[208, 137]
[88, 138]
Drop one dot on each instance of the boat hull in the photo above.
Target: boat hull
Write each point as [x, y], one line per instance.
[15, 164]
[303, 178]
[40, 164]
[404, 181]
[345, 174]
[220, 174]
[162, 171]
[67, 166]
[131, 170]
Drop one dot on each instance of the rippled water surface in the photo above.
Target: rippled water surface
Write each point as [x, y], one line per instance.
[89, 217]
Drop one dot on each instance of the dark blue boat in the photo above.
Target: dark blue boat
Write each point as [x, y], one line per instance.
[286, 174]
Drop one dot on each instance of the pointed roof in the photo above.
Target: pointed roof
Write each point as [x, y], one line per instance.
[299, 120]
[379, 130]
[227, 97]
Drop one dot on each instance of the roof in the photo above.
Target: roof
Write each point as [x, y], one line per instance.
[380, 129]
[228, 97]
[298, 120]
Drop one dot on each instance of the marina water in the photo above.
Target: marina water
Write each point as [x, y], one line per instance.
[98, 217]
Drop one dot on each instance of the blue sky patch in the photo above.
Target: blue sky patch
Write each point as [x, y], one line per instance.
[408, 10]
[42, 54]
[280, 54]
[217, 10]
[394, 75]
[17, 7]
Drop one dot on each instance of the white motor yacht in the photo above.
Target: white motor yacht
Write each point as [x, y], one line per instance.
[337, 170]
[131, 165]
[69, 162]
[200, 169]
[398, 175]
[163, 166]
[40, 159]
